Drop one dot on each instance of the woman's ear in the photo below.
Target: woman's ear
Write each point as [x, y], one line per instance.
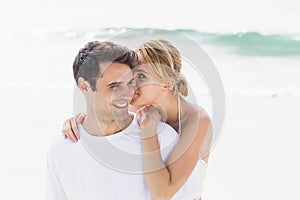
[166, 88]
[84, 86]
[169, 87]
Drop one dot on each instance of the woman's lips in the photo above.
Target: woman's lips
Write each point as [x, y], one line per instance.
[136, 94]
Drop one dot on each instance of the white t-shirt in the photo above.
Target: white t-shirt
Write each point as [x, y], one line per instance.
[109, 168]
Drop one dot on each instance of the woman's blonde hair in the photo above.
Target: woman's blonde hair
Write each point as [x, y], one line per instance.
[165, 62]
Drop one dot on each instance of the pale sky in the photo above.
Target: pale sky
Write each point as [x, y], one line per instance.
[207, 16]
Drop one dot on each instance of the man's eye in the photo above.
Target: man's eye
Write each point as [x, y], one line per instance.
[131, 82]
[115, 86]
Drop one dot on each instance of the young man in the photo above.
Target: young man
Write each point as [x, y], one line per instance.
[107, 162]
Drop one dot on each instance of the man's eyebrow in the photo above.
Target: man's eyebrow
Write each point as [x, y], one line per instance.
[114, 84]
[131, 80]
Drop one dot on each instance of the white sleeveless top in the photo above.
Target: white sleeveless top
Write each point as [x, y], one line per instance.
[193, 187]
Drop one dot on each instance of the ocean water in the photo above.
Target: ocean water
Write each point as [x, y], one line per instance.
[260, 74]
[264, 64]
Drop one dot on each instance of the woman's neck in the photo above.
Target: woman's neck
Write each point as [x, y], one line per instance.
[169, 105]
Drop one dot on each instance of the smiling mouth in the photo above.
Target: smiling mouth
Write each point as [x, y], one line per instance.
[120, 105]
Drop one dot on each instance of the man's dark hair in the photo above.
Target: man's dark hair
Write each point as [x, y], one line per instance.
[88, 60]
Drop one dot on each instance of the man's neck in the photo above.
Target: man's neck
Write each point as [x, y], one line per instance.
[104, 128]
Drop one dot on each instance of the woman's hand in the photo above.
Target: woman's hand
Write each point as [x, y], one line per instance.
[70, 129]
[148, 118]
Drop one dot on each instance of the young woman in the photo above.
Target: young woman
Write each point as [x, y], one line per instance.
[159, 97]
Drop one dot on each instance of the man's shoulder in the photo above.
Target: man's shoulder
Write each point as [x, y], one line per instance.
[168, 138]
[59, 142]
[166, 134]
[163, 128]
[60, 147]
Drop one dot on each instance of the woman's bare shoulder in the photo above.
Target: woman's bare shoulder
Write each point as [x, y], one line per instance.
[195, 112]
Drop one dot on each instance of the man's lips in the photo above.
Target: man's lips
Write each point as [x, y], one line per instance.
[120, 105]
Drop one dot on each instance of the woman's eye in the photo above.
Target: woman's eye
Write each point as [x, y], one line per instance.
[141, 76]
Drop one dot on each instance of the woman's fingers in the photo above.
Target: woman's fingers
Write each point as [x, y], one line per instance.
[70, 127]
[142, 115]
[74, 129]
[80, 118]
[68, 131]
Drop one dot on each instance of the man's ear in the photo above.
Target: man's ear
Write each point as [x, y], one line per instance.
[84, 86]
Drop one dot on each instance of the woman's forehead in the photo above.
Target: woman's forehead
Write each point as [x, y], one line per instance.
[144, 67]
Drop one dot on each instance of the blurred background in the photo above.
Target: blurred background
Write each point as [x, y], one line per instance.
[255, 46]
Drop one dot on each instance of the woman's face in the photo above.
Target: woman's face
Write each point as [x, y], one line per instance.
[148, 88]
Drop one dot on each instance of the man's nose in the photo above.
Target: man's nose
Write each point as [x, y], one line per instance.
[128, 91]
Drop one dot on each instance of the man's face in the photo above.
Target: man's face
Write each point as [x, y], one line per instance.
[114, 91]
